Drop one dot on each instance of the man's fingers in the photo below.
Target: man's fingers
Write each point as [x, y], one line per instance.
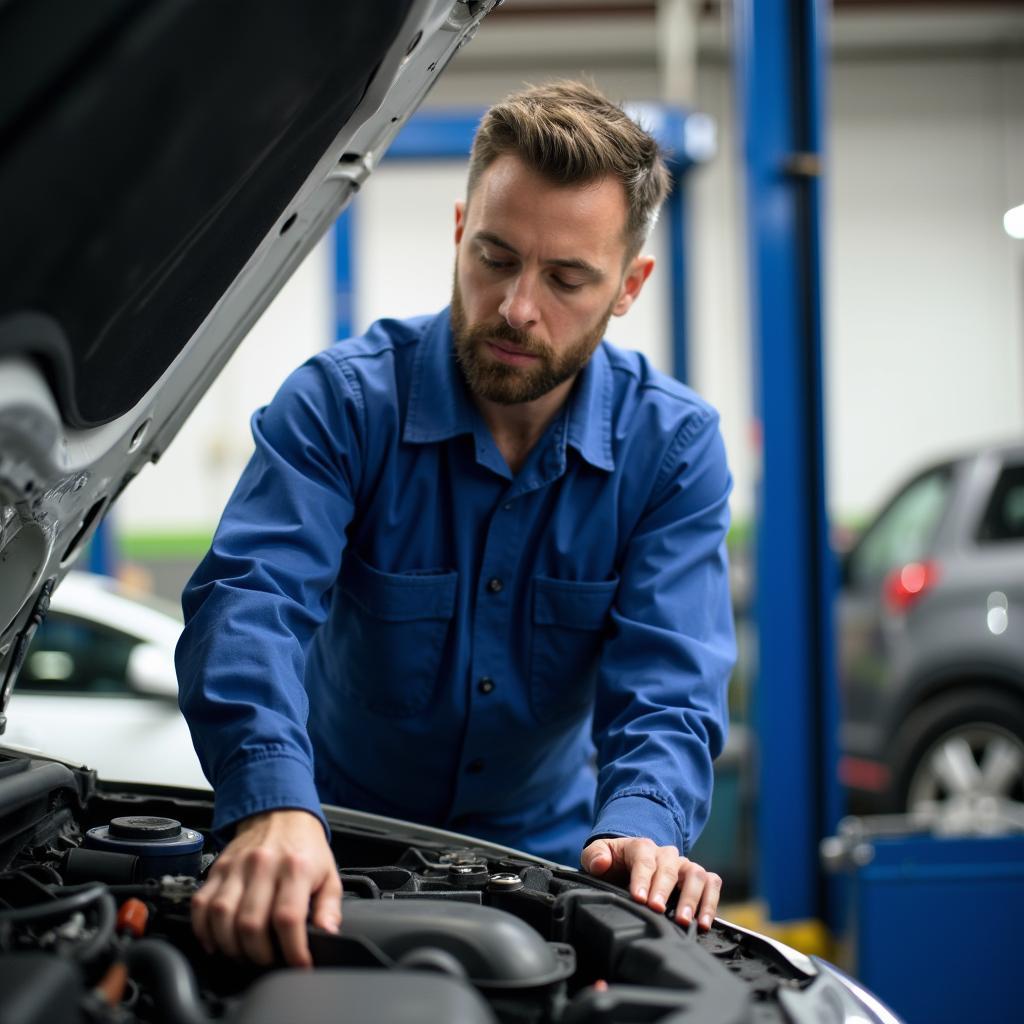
[691, 888]
[263, 880]
[654, 872]
[642, 861]
[709, 901]
[200, 910]
[598, 857]
[665, 877]
[252, 923]
[221, 912]
[291, 905]
[327, 903]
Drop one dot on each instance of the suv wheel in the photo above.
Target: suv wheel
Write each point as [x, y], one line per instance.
[964, 751]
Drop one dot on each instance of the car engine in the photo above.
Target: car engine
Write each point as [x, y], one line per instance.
[95, 888]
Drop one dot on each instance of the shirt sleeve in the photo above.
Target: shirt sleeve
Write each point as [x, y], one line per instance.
[257, 597]
[661, 710]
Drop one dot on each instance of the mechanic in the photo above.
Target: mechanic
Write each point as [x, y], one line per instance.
[486, 550]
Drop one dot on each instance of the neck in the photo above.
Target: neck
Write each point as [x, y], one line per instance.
[517, 428]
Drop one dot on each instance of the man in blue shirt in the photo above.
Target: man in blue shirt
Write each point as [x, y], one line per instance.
[474, 554]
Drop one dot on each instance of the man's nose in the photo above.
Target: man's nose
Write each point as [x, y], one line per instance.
[519, 307]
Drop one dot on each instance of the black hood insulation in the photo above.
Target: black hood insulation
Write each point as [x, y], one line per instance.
[145, 151]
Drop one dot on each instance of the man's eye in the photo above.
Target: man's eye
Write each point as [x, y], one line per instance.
[566, 286]
[493, 264]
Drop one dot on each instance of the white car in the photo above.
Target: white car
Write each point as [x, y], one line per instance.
[98, 686]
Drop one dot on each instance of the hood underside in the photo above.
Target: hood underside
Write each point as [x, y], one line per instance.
[164, 167]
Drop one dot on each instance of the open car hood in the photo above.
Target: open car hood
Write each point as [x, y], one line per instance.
[164, 168]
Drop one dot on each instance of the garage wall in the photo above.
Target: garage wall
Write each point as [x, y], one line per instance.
[924, 290]
[181, 497]
[924, 323]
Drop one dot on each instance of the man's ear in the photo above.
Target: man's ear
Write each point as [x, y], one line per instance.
[637, 272]
[460, 219]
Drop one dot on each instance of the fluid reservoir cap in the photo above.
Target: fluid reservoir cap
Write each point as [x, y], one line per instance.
[161, 842]
[143, 827]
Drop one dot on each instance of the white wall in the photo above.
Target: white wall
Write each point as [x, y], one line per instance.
[924, 292]
[924, 287]
[719, 345]
[187, 489]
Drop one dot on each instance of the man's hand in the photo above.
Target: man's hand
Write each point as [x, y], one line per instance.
[653, 872]
[267, 875]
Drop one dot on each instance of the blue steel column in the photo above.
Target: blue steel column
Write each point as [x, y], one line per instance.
[780, 58]
[344, 274]
[102, 551]
[675, 209]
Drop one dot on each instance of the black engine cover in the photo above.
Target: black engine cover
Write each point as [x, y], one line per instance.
[353, 996]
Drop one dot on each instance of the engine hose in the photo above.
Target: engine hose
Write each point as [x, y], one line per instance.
[63, 906]
[76, 900]
[168, 977]
[149, 890]
[98, 942]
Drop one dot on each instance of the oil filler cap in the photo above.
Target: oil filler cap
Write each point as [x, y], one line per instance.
[143, 827]
[161, 844]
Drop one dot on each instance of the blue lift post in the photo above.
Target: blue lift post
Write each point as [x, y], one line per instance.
[448, 135]
[679, 308]
[780, 53]
[102, 556]
[344, 274]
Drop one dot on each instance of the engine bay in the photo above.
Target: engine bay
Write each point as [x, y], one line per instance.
[97, 879]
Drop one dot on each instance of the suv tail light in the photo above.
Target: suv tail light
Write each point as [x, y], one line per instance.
[905, 585]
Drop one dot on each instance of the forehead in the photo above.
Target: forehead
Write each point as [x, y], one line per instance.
[547, 220]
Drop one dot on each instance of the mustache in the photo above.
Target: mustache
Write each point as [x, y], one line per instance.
[522, 340]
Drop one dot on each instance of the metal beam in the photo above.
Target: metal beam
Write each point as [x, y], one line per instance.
[780, 52]
[677, 45]
[447, 134]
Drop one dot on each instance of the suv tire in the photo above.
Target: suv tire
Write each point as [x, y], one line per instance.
[967, 743]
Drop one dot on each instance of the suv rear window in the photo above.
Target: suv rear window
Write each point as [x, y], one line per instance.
[905, 529]
[1004, 517]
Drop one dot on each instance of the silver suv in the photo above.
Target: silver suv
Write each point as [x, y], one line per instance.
[931, 655]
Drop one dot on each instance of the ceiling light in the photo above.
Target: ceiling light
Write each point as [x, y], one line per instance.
[1013, 221]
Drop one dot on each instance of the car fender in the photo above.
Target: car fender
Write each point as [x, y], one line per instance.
[933, 676]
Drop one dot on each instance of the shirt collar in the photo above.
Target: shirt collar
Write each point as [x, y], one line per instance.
[440, 406]
[590, 412]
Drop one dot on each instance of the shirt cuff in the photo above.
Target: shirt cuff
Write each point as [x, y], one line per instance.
[263, 784]
[639, 817]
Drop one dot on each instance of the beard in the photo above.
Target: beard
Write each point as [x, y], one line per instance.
[511, 385]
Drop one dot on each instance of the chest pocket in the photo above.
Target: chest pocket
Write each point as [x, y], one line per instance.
[570, 622]
[391, 636]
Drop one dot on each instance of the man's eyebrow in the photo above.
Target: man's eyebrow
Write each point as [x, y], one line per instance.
[570, 264]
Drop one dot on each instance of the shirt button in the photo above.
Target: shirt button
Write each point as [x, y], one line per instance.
[485, 685]
[494, 585]
[475, 767]
[507, 506]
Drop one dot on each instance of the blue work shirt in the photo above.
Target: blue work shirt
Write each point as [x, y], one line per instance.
[389, 619]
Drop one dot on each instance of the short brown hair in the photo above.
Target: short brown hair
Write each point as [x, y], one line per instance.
[570, 133]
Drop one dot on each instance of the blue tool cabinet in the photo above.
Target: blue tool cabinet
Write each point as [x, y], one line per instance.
[933, 924]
